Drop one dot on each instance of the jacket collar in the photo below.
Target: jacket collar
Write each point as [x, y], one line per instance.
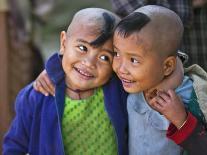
[54, 68]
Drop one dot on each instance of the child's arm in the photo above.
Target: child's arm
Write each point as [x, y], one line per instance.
[185, 129]
[16, 140]
[44, 85]
[164, 100]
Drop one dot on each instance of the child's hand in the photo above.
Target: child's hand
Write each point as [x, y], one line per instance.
[44, 85]
[169, 105]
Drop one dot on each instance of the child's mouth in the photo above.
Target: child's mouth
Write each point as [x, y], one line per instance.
[126, 83]
[84, 74]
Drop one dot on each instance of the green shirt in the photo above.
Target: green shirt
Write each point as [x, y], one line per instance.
[86, 127]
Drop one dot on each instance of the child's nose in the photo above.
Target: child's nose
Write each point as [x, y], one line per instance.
[123, 68]
[89, 62]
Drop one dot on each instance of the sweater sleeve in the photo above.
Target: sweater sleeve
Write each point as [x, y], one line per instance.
[192, 136]
[16, 139]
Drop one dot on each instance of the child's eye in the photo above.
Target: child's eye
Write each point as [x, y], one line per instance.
[82, 48]
[133, 60]
[116, 54]
[105, 58]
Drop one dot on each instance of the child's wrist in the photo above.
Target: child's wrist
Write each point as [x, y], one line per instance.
[183, 122]
[180, 120]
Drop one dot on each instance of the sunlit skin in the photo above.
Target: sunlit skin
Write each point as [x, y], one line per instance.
[85, 66]
[133, 63]
[141, 70]
[140, 60]
[87, 53]
[145, 59]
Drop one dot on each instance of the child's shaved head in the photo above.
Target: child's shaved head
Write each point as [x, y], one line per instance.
[99, 21]
[159, 28]
[87, 49]
[145, 45]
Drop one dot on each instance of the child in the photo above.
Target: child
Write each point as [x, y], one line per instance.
[43, 84]
[145, 43]
[140, 45]
[88, 113]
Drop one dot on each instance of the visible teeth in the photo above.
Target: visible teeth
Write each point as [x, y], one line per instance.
[84, 73]
[128, 81]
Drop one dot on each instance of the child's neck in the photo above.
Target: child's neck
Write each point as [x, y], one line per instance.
[79, 94]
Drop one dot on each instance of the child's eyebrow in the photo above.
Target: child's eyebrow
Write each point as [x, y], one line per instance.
[86, 42]
[83, 41]
[116, 47]
[129, 53]
[109, 51]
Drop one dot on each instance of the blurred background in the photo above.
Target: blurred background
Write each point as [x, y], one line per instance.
[29, 34]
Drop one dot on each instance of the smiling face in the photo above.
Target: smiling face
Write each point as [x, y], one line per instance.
[85, 66]
[145, 49]
[136, 65]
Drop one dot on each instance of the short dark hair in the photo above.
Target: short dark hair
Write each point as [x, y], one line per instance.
[107, 30]
[132, 23]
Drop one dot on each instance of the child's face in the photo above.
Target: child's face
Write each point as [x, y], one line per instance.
[138, 68]
[85, 66]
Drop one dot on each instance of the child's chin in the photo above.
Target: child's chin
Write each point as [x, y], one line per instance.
[130, 90]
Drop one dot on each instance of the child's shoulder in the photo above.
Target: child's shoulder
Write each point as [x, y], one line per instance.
[199, 78]
[196, 73]
[29, 98]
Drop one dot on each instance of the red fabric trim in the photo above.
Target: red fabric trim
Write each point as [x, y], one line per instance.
[178, 136]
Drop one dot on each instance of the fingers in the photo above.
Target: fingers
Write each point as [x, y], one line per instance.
[160, 101]
[171, 93]
[155, 103]
[47, 82]
[165, 96]
[38, 87]
[163, 100]
[47, 85]
[44, 85]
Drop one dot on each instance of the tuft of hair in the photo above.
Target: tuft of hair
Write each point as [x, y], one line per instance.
[165, 28]
[107, 30]
[102, 23]
[132, 23]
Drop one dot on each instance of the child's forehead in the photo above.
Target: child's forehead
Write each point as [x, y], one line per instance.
[136, 39]
[91, 37]
[101, 28]
[86, 28]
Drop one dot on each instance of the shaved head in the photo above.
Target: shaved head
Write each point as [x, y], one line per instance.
[97, 21]
[159, 28]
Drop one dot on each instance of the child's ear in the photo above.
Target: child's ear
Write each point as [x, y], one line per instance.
[62, 42]
[169, 65]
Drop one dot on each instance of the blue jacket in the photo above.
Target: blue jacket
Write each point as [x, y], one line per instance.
[36, 128]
